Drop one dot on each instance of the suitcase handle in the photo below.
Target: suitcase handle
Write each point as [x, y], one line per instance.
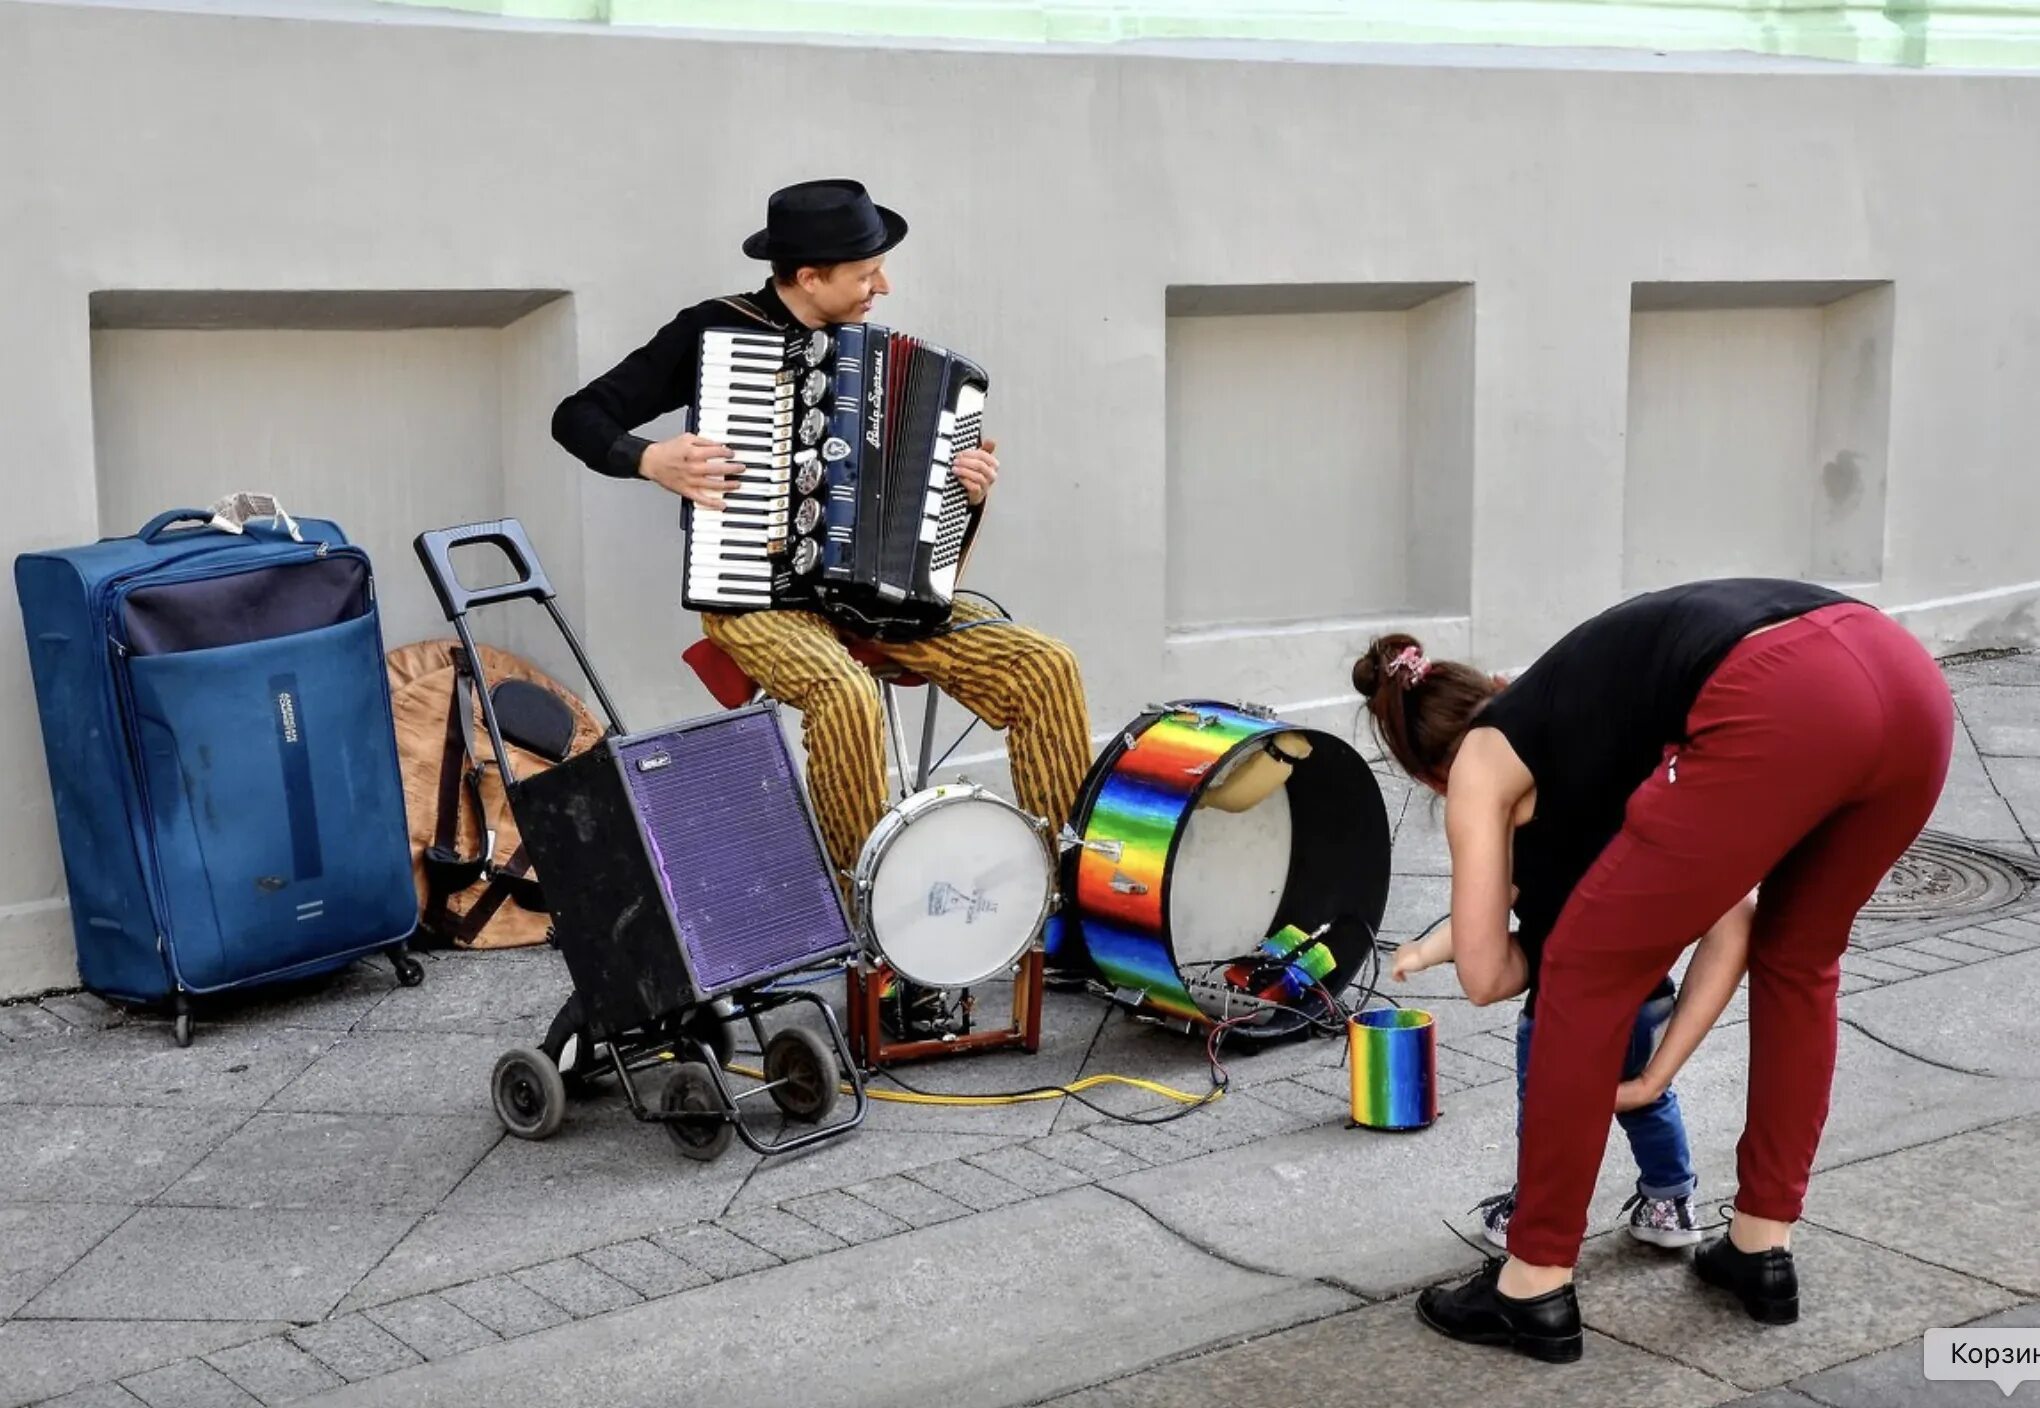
[155, 527]
[435, 551]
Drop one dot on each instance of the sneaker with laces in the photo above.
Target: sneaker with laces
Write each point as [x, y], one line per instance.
[1495, 1213]
[1662, 1222]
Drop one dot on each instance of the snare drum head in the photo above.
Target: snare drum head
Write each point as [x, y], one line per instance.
[958, 883]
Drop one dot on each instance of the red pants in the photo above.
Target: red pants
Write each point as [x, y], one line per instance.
[1817, 752]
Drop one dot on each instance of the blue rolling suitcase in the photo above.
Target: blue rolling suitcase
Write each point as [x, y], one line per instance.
[216, 720]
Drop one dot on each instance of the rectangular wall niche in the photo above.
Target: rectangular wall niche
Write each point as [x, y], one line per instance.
[1759, 421]
[387, 411]
[1320, 453]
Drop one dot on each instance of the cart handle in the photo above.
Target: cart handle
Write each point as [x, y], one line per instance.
[435, 551]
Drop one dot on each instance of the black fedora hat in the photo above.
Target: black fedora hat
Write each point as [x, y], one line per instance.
[825, 222]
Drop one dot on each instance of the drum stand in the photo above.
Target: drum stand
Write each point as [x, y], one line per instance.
[872, 1048]
[866, 978]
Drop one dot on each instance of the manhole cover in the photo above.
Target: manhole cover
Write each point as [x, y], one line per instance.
[1939, 878]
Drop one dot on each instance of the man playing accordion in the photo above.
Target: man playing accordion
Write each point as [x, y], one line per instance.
[826, 242]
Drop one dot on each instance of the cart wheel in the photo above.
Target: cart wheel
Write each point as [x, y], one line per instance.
[803, 1075]
[181, 1029]
[531, 1099]
[410, 972]
[692, 1091]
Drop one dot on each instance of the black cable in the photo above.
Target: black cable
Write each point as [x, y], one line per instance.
[1381, 948]
[1421, 934]
[936, 766]
[987, 599]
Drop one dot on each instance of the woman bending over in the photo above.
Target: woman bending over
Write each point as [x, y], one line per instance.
[1649, 771]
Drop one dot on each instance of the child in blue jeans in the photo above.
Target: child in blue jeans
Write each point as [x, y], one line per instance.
[1646, 1106]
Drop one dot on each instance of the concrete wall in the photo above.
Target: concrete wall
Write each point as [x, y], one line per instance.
[1282, 352]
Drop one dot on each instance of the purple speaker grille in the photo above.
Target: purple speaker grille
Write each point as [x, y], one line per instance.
[736, 850]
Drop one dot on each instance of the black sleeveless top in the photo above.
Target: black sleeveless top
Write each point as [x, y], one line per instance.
[1593, 717]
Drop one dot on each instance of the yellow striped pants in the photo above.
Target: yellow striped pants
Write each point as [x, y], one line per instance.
[1010, 676]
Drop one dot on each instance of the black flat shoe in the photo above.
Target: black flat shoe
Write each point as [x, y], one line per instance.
[1545, 1327]
[1766, 1283]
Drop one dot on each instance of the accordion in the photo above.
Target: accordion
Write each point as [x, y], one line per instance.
[845, 501]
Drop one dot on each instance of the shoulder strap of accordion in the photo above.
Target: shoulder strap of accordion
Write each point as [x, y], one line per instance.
[749, 309]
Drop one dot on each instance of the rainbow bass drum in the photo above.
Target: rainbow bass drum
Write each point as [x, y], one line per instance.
[1225, 859]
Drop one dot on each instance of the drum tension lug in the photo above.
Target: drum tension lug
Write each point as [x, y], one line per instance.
[1068, 840]
[1197, 718]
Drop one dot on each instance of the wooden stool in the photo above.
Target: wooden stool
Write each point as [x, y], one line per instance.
[867, 977]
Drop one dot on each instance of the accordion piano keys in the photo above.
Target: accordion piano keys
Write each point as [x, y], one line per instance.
[750, 410]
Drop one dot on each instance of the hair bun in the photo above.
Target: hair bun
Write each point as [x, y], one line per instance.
[1370, 671]
[1367, 675]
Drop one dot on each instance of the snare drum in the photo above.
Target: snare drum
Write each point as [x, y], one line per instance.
[953, 885]
[1227, 858]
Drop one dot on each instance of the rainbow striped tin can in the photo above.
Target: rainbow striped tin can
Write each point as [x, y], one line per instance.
[1393, 1055]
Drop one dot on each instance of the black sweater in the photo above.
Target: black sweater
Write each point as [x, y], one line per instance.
[594, 424]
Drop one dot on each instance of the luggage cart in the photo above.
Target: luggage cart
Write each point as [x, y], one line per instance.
[658, 980]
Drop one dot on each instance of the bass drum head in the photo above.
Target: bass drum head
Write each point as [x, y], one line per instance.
[957, 888]
[1231, 869]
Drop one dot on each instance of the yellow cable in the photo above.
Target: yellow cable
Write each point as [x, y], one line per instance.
[908, 1097]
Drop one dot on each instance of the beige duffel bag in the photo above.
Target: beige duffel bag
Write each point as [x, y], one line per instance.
[475, 883]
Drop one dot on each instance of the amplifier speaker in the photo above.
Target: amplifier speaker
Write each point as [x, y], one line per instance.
[681, 864]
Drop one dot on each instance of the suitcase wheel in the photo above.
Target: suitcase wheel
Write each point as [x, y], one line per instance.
[410, 972]
[530, 1097]
[180, 1028]
[692, 1091]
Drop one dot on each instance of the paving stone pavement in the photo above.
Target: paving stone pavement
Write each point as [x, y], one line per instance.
[314, 1203]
